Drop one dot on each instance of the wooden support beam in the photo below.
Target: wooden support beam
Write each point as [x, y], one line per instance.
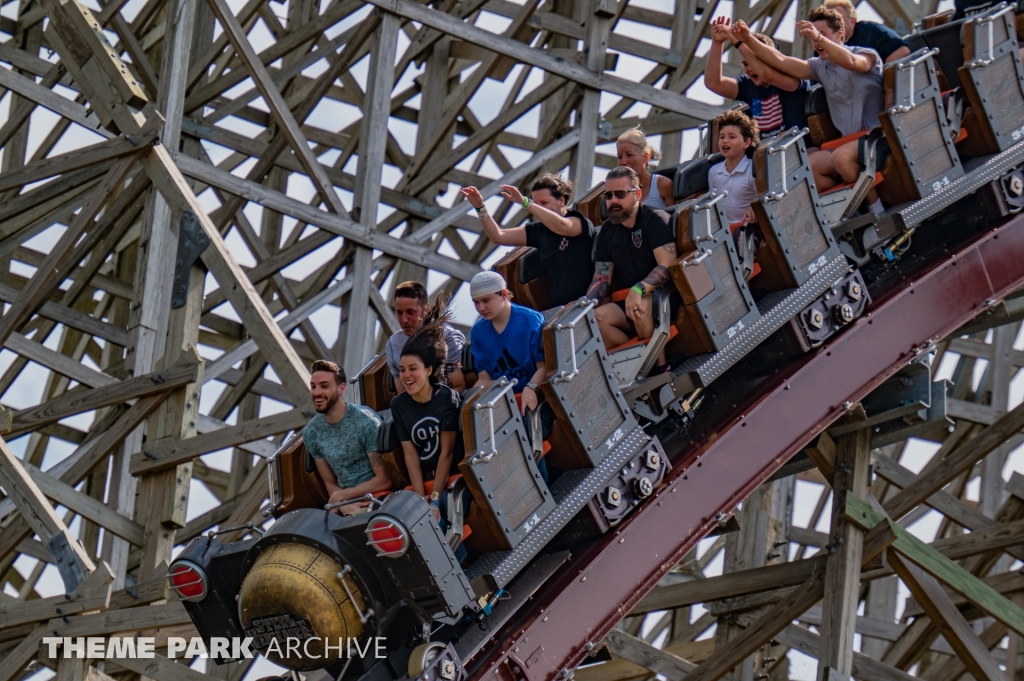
[779, 616]
[50, 273]
[400, 248]
[278, 107]
[639, 652]
[72, 561]
[541, 59]
[954, 628]
[92, 594]
[842, 569]
[929, 559]
[168, 455]
[966, 454]
[87, 399]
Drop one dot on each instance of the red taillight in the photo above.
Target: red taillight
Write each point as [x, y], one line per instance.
[387, 536]
[189, 580]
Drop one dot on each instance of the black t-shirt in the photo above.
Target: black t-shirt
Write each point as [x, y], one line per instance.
[878, 37]
[631, 249]
[566, 259]
[422, 424]
[775, 110]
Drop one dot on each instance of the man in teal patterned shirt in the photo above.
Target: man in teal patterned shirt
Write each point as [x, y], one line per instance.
[342, 438]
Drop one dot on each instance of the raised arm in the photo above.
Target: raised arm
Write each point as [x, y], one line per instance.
[559, 224]
[713, 80]
[798, 68]
[503, 237]
[837, 54]
[600, 287]
[768, 75]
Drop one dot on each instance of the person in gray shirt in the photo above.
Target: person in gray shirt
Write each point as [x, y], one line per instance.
[411, 308]
[342, 439]
[852, 79]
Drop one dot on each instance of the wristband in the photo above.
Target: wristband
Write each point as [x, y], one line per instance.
[527, 202]
[481, 209]
[639, 289]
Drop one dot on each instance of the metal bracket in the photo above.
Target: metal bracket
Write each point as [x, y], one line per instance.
[192, 241]
[68, 564]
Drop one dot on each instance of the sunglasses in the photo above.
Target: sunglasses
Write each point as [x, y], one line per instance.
[618, 194]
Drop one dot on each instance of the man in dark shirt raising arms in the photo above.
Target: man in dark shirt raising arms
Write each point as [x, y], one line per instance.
[634, 249]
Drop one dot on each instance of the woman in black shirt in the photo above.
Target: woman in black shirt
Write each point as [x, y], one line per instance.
[426, 415]
[564, 238]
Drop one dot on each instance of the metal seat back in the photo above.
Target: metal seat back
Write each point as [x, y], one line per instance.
[582, 388]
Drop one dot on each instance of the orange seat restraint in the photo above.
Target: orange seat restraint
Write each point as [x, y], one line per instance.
[428, 485]
[733, 226]
[672, 333]
[546, 446]
[832, 145]
[619, 296]
[878, 180]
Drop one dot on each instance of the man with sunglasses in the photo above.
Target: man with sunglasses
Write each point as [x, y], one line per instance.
[633, 251]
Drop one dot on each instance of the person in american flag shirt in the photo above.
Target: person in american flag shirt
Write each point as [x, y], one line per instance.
[776, 100]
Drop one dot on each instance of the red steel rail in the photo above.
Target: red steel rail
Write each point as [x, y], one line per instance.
[712, 475]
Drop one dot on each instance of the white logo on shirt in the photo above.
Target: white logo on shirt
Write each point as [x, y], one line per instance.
[426, 436]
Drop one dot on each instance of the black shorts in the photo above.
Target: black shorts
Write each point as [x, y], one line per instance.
[882, 151]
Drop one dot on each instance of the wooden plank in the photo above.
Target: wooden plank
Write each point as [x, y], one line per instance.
[954, 628]
[966, 454]
[864, 668]
[219, 259]
[48, 276]
[160, 667]
[71, 318]
[624, 670]
[58, 362]
[110, 622]
[251, 191]
[92, 594]
[74, 160]
[1005, 583]
[87, 399]
[935, 563]
[560, 67]
[163, 456]
[16, 660]
[779, 616]
[278, 107]
[842, 569]
[47, 98]
[41, 517]
[86, 506]
[639, 652]
[729, 585]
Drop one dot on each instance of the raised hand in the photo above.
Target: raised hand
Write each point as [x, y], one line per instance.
[808, 30]
[512, 193]
[739, 31]
[474, 196]
[720, 29]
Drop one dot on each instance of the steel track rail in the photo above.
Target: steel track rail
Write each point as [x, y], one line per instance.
[564, 620]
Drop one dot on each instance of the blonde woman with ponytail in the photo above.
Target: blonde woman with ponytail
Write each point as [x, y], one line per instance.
[634, 152]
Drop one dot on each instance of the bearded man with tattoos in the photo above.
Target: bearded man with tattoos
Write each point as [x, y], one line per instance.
[633, 251]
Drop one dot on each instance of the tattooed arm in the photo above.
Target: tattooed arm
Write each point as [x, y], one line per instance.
[599, 287]
[665, 255]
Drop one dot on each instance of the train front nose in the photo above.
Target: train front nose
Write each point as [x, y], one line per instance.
[294, 594]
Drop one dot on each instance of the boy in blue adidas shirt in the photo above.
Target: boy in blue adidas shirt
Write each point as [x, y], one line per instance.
[506, 341]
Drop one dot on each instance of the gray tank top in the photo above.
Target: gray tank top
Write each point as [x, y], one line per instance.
[654, 200]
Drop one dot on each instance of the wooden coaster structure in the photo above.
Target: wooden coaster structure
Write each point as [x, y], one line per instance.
[963, 618]
[178, 152]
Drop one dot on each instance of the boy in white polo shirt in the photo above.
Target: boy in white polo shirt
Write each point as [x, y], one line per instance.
[737, 139]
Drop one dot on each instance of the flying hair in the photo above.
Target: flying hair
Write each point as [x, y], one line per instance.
[428, 342]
